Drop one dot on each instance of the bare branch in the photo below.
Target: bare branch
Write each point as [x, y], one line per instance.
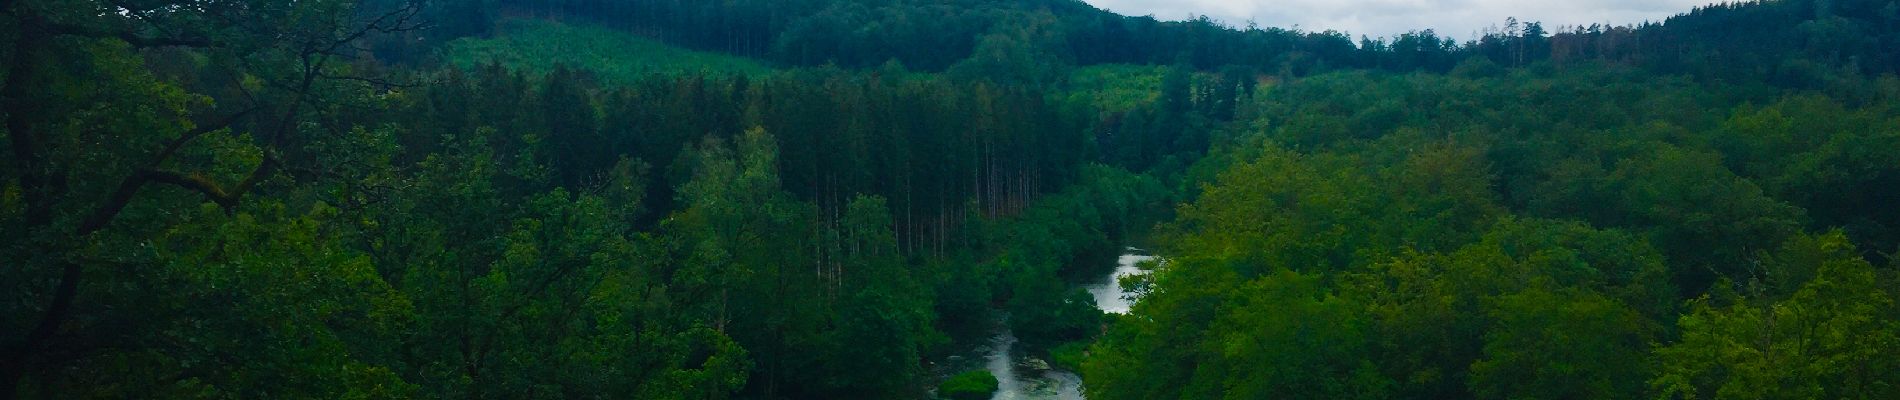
[397, 19]
[143, 14]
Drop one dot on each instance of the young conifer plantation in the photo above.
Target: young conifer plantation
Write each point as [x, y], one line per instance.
[922, 199]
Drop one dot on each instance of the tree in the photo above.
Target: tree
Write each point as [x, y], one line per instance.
[884, 325]
[1705, 218]
[572, 141]
[1285, 338]
[1568, 343]
[1832, 338]
[74, 60]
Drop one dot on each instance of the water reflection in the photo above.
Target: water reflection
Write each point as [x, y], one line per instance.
[1021, 377]
[1025, 378]
[1108, 293]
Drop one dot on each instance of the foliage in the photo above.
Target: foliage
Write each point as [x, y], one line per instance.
[973, 385]
[1116, 87]
[1525, 234]
[539, 46]
[547, 199]
[1832, 337]
[1069, 356]
[1798, 44]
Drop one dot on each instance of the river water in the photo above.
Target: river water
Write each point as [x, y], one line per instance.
[1021, 377]
[1109, 295]
[1024, 378]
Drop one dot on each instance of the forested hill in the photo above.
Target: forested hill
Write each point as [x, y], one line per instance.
[819, 199]
[1793, 42]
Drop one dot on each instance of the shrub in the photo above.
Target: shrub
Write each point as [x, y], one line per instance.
[973, 385]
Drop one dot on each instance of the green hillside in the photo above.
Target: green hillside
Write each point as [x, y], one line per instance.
[941, 199]
[1116, 86]
[538, 46]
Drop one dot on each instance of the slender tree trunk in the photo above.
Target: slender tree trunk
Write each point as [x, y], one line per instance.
[778, 342]
[37, 190]
[988, 179]
[936, 233]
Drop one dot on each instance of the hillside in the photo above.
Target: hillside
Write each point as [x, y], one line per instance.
[918, 199]
[1786, 42]
[537, 46]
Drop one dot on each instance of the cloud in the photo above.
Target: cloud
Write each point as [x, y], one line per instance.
[1462, 19]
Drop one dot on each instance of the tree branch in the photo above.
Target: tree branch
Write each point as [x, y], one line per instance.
[197, 183]
[186, 138]
[130, 185]
[227, 199]
[135, 39]
[22, 108]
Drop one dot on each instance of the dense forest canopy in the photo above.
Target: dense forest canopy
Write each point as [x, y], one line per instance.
[1784, 39]
[664, 199]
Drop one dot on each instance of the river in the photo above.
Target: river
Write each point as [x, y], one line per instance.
[1021, 377]
[1108, 293]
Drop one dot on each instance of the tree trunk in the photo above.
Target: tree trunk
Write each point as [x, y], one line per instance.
[38, 191]
[10, 375]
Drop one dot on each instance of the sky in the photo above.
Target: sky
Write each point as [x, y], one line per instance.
[1461, 19]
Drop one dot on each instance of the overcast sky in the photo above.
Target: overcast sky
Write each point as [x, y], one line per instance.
[1384, 18]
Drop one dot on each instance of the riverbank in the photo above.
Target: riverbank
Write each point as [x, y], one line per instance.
[1022, 376]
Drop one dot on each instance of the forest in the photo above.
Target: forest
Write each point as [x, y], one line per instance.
[845, 199]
